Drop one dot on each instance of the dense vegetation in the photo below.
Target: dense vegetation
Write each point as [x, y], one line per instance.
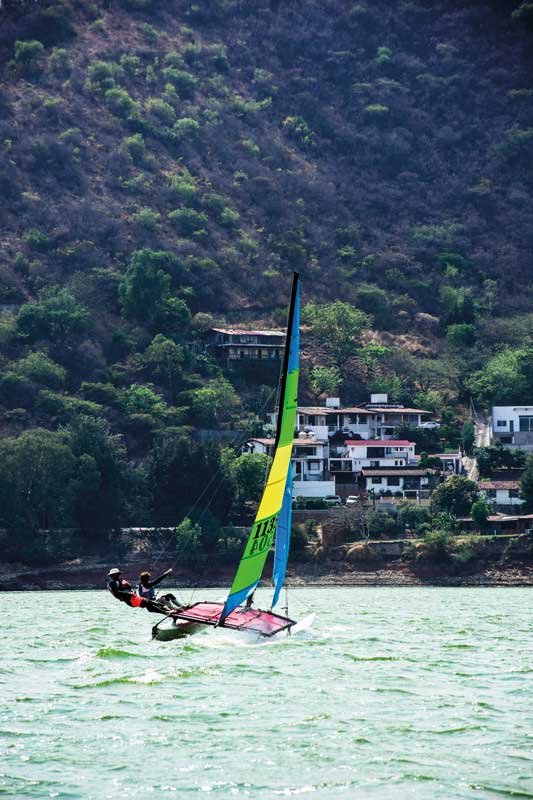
[166, 163]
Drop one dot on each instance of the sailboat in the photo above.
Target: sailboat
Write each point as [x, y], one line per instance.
[272, 523]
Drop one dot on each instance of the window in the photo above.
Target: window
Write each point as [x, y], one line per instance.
[501, 423]
[314, 466]
[526, 424]
[514, 493]
[393, 481]
[374, 464]
[375, 480]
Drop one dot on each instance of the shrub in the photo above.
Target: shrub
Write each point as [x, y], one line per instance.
[39, 368]
[28, 52]
[183, 186]
[102, 74]
[183, 82]
[120, 103]
[160, 109]
[147, 218]
[56, 316]
[58, 60]
[135, 147]
[105, 394]
[299, 130]
[37, 240]
[185, 129]
[150, 33]
[132, 65]
[187, 221]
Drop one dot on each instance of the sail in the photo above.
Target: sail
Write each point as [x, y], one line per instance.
[283, 539]
[263, 530]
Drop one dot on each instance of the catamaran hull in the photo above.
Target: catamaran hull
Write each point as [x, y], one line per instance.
[170, 628]
[196, 617]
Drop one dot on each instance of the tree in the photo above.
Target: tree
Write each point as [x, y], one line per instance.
[184, 473]
[480, 512]
[166, 359]
[144, 291]
[498, 457]
[214, 403]
[56, 316]
[413, 516]
[502, 380]
[325, 380]
[468, 436]
[249, 472]
[526, 483]
[37, 477]
[338, 327]
[103, 474]
[455, 496]
[39, 368]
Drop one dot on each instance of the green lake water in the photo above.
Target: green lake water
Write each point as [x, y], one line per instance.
[395, 693]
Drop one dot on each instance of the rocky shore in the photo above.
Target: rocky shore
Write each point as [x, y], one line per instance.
[91, 574]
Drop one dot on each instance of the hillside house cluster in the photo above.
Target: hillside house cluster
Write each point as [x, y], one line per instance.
[236, 344]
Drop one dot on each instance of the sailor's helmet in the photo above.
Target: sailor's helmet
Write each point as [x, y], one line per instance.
[113, 572]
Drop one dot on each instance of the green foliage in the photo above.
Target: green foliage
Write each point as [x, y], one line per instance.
[455, 496]
[184, 83]
[338, 327]
[186, 129]
[36, 480]
[526, 483]
[497, 457]
[325, 380]
[39, 368]
[120, 103]
[189, 542]
[479, 512]
[56, 316]
[505, 378]
[461, 335]
[413, 516]
[143, 399]
[147, 218]
[468, 435]
[166, 360]
[375, 302]
[160, 109]
[101, 75]
[28, 53]
[144, 291]
[249, 472]
[299, 130]
[135, 147]
[457, 305]
[37, 240]
[183, 185]
[214, 403]
[380, 524]
[188, 222]
[437, 546]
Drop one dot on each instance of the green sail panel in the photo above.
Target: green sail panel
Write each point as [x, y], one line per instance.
[263, 530]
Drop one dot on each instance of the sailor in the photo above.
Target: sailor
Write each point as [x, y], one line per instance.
[147, 587]
[122, 590]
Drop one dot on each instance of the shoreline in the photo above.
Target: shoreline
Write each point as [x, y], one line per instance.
[80, 575]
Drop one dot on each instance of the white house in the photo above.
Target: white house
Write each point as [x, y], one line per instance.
[325, 421]
[310, 476]
[410, 483]
[389, 416]
[358, 454]
[501, 493]
[512, 426]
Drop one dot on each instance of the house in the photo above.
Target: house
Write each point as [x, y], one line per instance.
[370, 421]
[408, 483]
[355, 455]
[310, 475]
[389, 416]
[512, 426]
[451, 462]
[501, 523]
[236, 343]
[504, 494]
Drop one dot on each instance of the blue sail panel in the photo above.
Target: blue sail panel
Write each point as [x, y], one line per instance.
[283, 539]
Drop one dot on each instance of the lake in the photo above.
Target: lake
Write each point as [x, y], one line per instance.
[395, 693]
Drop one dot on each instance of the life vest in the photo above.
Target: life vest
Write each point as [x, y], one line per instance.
[148, 592]
[136, 601]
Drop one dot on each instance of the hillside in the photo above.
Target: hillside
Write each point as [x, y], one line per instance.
[166, 163]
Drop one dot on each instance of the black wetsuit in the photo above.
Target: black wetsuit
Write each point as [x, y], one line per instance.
[121, 589]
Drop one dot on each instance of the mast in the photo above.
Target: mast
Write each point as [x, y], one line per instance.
[263, 530]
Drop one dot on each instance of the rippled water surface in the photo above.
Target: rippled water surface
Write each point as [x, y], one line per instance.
[394, 693]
